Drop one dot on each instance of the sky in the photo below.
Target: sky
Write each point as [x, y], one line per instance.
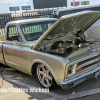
[5, 4]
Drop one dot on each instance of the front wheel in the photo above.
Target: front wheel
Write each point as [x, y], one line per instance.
[45, 77]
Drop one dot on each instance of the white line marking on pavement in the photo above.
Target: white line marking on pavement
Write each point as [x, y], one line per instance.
[57, 96]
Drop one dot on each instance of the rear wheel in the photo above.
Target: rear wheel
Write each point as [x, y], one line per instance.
[45, 77]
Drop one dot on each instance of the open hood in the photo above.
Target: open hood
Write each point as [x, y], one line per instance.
[69, 24]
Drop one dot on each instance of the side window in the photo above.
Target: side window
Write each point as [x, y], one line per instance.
[12, 34]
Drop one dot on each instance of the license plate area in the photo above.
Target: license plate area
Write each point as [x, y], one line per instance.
[96, 74]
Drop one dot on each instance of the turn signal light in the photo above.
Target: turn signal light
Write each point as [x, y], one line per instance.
[79, 69]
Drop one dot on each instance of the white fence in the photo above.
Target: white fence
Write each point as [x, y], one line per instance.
[2, 31]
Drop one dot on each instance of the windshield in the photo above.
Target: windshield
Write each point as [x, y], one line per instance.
[33, 31]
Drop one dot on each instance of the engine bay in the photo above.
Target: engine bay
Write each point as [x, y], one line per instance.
[65, 44]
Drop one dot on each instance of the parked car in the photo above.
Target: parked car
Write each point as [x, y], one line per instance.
[67, 11]
[57, 50]
[93, 31]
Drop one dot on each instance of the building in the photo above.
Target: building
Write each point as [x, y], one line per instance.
[21, 5]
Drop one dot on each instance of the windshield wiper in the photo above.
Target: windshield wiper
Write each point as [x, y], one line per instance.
[35, 37]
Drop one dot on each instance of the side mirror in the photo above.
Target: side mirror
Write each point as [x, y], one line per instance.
[14, 42]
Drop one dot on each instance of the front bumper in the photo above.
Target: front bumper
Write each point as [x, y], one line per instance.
[67, 84]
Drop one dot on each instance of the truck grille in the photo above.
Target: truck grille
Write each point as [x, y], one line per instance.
[88, 62]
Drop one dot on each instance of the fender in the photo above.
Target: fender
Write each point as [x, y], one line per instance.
[40, 61]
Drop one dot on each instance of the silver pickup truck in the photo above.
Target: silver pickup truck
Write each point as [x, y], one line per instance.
[57, 50]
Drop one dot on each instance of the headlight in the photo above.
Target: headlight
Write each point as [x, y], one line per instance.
[71, 69]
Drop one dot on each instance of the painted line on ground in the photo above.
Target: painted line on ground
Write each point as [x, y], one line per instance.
[57, 96]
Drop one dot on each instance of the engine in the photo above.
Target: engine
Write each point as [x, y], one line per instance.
[66, 46]
[63, 48]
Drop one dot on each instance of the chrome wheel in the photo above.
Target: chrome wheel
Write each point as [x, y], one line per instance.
[44, 76]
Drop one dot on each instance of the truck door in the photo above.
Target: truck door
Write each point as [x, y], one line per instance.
[12, 48]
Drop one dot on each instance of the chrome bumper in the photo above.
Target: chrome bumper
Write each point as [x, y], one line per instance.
[75, 81]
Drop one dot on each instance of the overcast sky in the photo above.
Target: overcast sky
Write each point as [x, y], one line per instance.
[5, 4]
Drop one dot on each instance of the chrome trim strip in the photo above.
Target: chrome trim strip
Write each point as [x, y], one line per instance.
[81, 76]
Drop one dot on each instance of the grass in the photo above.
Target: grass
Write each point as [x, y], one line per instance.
[2, 37]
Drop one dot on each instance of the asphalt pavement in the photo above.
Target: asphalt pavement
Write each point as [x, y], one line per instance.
[90, 97]
[14, 79]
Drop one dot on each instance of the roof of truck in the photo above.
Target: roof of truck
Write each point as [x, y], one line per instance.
[31, 20]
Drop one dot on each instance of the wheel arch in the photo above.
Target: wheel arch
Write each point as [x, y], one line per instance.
[37, 62]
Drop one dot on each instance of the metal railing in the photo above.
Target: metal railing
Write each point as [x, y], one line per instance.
[2, 31]
[13, 17]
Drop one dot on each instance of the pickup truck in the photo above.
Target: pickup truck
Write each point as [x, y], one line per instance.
[56, 50]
